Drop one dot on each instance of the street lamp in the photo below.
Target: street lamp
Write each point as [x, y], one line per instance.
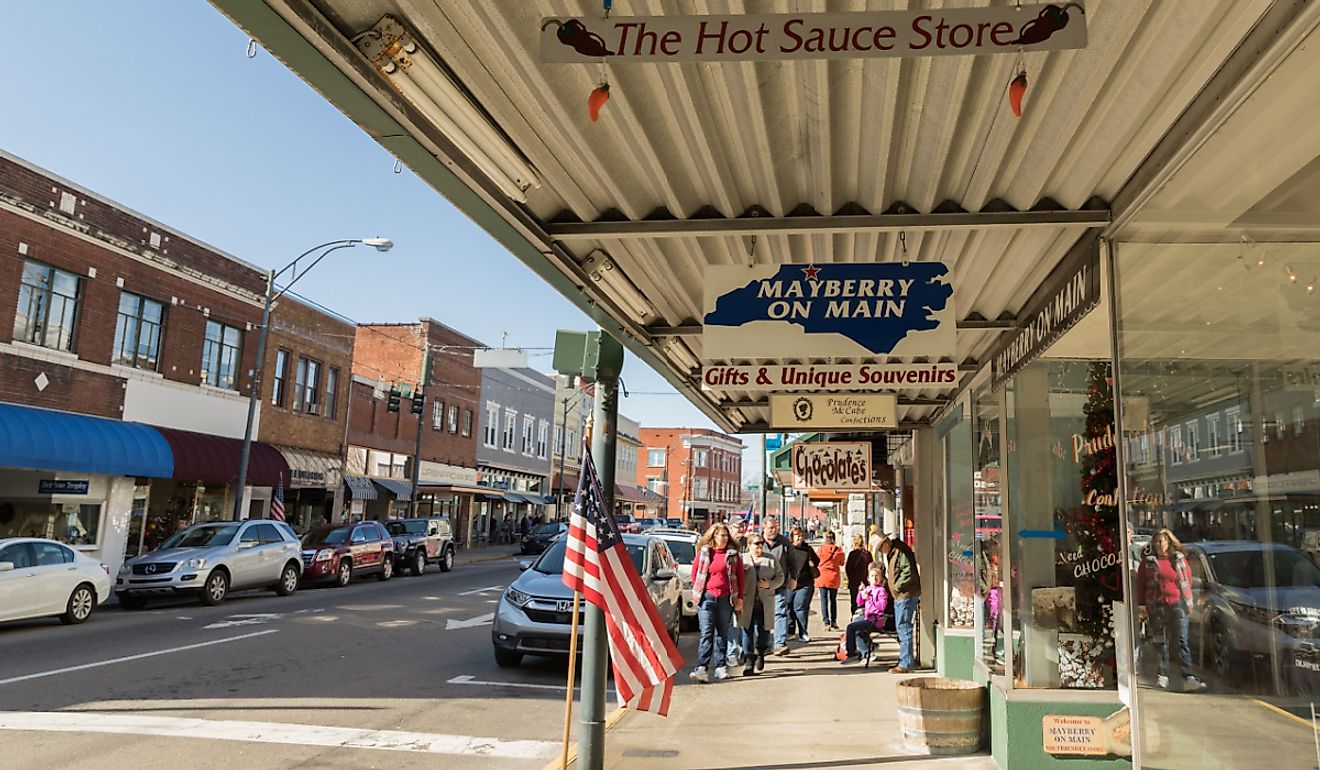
[380, 244]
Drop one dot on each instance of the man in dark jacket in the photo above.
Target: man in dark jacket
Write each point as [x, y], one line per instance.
[778, 547]
[904, 583]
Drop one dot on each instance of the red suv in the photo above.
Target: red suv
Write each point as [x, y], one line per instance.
[341, 551]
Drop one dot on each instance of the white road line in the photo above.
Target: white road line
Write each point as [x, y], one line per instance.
[274, 732]
[480, 620]
[482, 590]
[140, 656]
[465, 679]
[245, 620]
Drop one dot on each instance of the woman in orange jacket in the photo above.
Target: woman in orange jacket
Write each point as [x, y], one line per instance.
[831, 560]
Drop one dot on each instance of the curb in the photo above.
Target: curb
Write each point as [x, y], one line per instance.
[610, 722]
[484, 557]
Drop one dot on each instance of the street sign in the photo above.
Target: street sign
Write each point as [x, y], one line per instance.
[832, 465]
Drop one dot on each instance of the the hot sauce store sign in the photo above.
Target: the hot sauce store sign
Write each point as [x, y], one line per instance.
[832, 465]
[935, 32]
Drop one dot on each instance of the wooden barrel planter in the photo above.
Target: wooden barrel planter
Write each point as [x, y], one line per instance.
[941, 717]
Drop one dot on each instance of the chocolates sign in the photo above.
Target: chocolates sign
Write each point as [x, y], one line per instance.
[756, 37]
[832, 465]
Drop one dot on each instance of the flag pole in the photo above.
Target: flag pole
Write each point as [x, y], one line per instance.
[572, 676]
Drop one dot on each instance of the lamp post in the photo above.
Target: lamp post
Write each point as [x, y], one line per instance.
[380, 244]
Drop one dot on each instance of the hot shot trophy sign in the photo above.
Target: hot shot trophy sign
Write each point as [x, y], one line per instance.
[756, 37]
[832, 465]
[844, 310]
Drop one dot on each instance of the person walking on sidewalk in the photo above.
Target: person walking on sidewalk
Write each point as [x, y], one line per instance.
[804, 566]
[874, 600]
[717, 590]
[904, 582]
[831, 559]
[1164, 594]
[762, 576]
[856, 569]
[777, 547]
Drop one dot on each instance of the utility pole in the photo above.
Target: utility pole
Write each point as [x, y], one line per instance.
[765, 477]
[421, 418]
[563, 454]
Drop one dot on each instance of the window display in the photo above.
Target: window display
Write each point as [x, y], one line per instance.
[72, 523]
[989, 517]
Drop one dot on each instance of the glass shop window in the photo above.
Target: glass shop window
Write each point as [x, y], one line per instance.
[988, 519]
[961, 540]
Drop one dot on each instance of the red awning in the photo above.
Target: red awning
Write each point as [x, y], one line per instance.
[214, 459]
[629, 493]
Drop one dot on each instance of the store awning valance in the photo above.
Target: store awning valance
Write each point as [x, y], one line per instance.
[310, 469]
[214, 459]
[400, 488]
[43, 439]
[360, 487]
[628, 493]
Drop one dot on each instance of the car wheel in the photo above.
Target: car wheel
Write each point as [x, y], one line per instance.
[345, 574]
[386, 568]
[81, 603]
[215, 588]
[507, 658]
[419, 562]
[288, 580]
[131, 602]
[447, 561]
[1221, 653]
[677, 628]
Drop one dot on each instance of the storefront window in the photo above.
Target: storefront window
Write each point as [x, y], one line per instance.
[989, 516]
[961, 526]
[1063, 529]
[72, 523]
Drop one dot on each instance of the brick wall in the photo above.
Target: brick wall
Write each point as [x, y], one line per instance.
[304, 331]
[68, 389]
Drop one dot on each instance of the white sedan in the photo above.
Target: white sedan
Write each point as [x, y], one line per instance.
[43, 578]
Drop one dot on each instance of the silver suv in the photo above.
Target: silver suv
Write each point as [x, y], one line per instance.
[210, 560]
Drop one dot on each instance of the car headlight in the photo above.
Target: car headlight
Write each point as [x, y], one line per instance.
[324, 554]
[125, 568]
[517, 598]
[1253, 613]
[196, 563]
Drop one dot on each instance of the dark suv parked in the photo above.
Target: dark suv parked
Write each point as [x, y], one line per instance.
[418, 542]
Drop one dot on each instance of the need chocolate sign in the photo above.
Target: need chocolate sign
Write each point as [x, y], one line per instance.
[750, 37]
[832, 465]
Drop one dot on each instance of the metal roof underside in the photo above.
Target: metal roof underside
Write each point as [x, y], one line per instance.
[701, 164]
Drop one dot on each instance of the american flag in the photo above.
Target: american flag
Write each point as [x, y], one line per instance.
[277, 504]
[597, 564]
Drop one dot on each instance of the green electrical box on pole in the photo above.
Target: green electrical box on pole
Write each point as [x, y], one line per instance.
[595, 356]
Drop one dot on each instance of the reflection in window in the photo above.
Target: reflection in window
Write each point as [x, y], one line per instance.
[47, 306]
[220, 351]
[137, 332]
[988, 516]
[962, 527]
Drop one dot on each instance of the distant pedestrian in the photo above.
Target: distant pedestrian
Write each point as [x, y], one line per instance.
[762, 576]
[873, 601]
[857, 568]
[777, 547]
[831, 559]
[717, 590]
[803, 565]
[904, 583]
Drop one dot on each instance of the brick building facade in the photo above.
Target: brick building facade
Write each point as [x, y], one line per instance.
[699, 470]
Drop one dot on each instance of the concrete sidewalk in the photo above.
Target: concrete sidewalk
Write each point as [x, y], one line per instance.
[485, 553]
[803, 711]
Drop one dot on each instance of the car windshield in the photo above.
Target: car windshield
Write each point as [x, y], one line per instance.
[327, 536]
[684, 552]
[209, 535]
[1247, 569]
[552, 561]
[546, 529]
[409, 527]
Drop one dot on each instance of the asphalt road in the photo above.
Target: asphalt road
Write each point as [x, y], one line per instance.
[402, 669]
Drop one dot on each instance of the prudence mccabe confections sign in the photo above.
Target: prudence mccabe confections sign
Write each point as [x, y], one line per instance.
[754, 37]
[834, 411]
[832, 465]
[849, 310]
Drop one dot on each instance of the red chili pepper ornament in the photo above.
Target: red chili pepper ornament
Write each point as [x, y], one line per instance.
[1016, 90]
[599, 95]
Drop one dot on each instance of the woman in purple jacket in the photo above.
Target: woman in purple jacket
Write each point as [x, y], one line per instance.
[873, 600]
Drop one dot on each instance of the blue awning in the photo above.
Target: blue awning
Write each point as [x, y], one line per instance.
[46, 440]
[400, 488]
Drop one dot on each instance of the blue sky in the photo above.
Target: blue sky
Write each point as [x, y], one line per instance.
[154, 104]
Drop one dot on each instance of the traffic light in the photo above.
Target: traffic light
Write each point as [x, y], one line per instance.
[392, 400]
[418, 401]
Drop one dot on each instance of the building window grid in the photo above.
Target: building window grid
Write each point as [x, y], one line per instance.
[1176, 445]
[542, 433]
[1299, 420]
[307, 386]
[655, 458]
[331, 391]
[1233, 426]
[137, 332]
[467, 422]
[492, 424]
[559, 439]
[1212, 435]
[510, 429]
[453, 418]
[437, 415]
[221, 349]
[1193, 447]
[528, 435]
[280, 382]
[47, 306]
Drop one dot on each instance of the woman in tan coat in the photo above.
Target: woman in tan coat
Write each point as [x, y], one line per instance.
[762, 574]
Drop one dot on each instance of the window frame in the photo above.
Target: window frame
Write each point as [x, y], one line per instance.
[467, 423]
[652, 453]
[437, 415]
[138, 320]
[510, 432]
[331, 391]
[451, 418]
[279, 386]
[491, 439]
[528, 435]
[40, 302]
[212, 375]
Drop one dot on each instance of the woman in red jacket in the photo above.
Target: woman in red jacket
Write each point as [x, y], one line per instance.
[831, 559]
[1164, 594]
